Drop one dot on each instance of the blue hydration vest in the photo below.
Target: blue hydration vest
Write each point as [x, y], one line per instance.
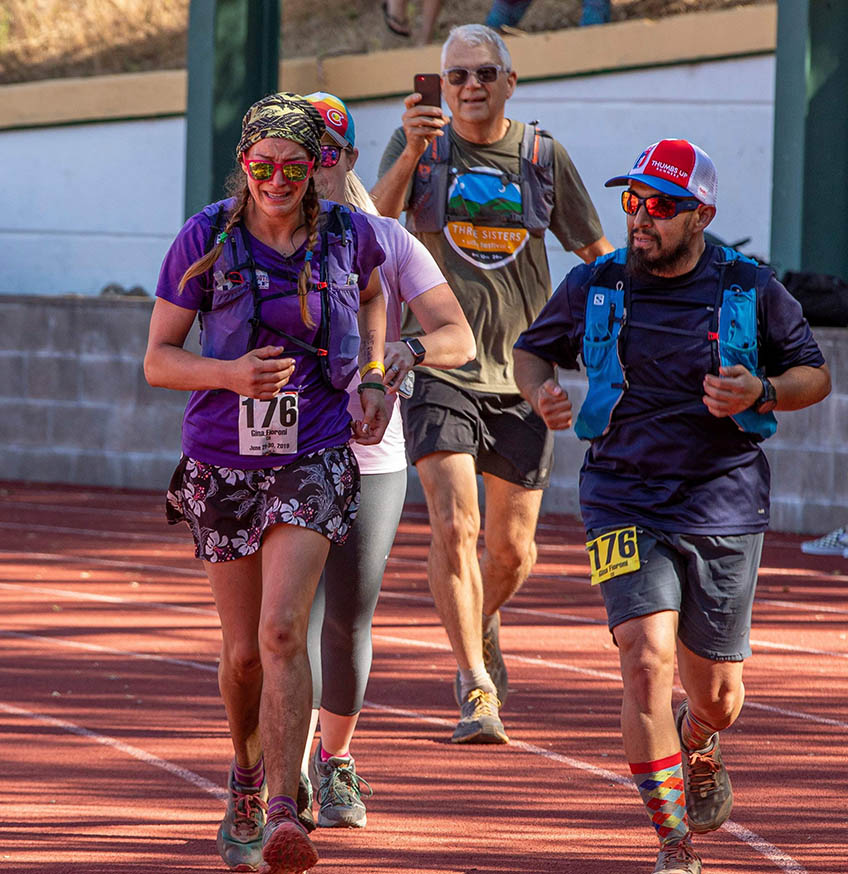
[231, 317]
[733, 333]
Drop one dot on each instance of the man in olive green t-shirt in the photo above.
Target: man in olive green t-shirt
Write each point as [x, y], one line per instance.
[472, 419]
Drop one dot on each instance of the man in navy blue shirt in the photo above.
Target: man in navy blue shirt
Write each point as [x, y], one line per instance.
[688, 348]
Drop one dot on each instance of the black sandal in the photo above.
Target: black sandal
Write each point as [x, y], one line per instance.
[395, 25]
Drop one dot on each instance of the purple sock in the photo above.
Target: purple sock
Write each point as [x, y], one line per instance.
[279, 805]
[252, 777]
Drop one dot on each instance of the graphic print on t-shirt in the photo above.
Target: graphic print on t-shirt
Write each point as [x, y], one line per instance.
[484, 195]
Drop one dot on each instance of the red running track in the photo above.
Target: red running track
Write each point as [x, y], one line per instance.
[114, 745]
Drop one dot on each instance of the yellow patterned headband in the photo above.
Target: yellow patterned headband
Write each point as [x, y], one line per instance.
[285, 116]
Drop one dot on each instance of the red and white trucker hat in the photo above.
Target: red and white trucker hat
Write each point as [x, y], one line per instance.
[675, 167]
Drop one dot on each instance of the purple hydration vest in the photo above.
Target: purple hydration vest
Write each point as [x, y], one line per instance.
[232, 316]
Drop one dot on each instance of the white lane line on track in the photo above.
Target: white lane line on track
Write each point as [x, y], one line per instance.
[424, 599]
[142, 755]
[744, 835]
[759, 844]
[419, 644]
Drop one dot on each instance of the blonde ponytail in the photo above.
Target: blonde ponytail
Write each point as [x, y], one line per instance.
[357, 196]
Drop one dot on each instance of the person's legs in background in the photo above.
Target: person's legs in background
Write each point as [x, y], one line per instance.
[340, 644]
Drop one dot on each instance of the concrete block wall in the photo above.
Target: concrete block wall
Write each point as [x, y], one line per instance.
[75, 408]
[74, 404]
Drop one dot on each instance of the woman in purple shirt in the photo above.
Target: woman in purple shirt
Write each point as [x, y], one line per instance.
[267, 479]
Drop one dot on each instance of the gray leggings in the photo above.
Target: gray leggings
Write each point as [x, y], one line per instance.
[339, 638]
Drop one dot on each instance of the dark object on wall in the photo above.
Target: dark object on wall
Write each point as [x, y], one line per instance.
[823, 298]
[115, 289]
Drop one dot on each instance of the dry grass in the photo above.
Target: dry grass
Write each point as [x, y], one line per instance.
[55, 38]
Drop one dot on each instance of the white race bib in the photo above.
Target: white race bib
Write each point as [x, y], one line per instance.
[268, 427]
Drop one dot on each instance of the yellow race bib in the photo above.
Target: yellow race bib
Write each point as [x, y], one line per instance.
[613, 554]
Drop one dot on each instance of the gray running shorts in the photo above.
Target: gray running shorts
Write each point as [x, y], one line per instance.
[708, 579]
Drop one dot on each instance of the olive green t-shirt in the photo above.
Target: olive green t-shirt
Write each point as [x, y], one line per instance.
[500, 275]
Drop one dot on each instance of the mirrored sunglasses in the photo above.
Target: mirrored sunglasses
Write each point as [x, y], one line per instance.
[293, 171]
[485, 75]
[331, 155]
[658, 206]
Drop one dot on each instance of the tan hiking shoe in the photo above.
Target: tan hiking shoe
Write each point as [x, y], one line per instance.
[709, 794]
[678, 859]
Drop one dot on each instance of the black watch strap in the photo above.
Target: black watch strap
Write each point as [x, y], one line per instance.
[768, 399]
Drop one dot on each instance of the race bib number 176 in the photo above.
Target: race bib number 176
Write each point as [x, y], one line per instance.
[268, 427]
[613, 553]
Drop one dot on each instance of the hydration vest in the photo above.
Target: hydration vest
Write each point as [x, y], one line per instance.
[428, 203]
[733, 334]
[231, 316]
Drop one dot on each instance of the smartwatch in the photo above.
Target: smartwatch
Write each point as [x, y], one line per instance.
[767, 401]
[416, 347]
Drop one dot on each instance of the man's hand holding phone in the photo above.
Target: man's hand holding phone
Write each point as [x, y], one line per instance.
[423, 118]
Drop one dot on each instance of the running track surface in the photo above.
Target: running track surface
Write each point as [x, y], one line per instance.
[114, 746]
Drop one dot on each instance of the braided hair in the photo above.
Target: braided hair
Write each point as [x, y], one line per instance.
[311, 212]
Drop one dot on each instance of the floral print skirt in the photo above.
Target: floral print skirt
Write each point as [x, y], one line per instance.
[229, 509]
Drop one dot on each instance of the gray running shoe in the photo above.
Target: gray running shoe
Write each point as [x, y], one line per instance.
[339, 788]
[239, 838]
[709, 795]
[286, 848]
[492, 659]
[479, 721]
[304, 803]
[678, 859]
[834, 543]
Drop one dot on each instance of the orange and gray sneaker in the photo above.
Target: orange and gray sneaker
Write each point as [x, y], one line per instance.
[706, 784]
[286, 848]
[678, 858]
[479, 721]
[240, 833]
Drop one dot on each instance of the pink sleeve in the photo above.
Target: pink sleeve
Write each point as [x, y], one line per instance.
[417, 269]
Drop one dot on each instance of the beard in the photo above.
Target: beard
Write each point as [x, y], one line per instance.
[663, 263]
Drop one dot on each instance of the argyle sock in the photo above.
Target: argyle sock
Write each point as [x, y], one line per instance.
[660, 784]
[694, 732]
[252, 777]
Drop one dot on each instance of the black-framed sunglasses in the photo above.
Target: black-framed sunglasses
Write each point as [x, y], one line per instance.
[658, 206]
[485, 75]
[331, 155]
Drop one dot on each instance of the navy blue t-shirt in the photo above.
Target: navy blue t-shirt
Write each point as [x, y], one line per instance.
[666, 462]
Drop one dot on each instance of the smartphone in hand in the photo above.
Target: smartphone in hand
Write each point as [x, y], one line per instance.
[429, 86]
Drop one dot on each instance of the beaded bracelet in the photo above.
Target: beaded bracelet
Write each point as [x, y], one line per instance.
[372, 365]
[377, 385]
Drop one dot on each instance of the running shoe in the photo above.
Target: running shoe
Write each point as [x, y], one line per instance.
[835, 543]
[678, 859]
[479, 721]
[240, 834]
[304, 803]
[286, 848]
[709, 795]
[493, 661]
[339, 788]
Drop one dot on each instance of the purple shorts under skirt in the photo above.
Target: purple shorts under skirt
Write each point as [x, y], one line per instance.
[228, 510]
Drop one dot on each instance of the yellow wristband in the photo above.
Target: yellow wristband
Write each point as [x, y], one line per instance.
[372, 365]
